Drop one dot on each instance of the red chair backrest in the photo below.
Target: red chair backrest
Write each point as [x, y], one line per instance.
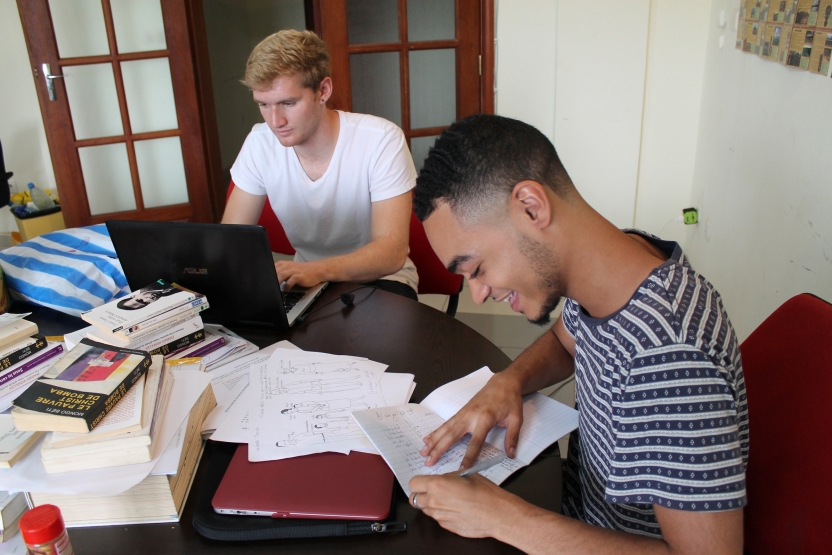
[433, 276]
[277, 236]
[787, 363]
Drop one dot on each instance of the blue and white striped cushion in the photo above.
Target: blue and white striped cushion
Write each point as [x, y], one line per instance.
[73, 270]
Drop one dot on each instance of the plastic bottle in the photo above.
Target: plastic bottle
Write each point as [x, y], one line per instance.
[44, 532]
[40, 199]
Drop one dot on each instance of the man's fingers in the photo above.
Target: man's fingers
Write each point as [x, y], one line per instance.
[432, 438]
[513, 434]
[444, 443]
[474, 447]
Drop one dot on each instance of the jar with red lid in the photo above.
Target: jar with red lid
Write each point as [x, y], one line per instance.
[44, 532]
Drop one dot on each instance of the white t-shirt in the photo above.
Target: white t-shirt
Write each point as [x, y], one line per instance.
[330, 216]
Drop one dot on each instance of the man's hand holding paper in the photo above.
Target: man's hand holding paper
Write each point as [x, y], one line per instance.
[499, 403]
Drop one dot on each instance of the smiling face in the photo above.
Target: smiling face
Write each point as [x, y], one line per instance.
[500, 261]
[293, 112]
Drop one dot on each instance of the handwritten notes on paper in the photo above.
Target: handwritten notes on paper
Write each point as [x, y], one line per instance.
[397, 432]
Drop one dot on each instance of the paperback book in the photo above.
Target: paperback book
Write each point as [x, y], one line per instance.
[135, 311]
[14, 353]
[80, 389]
[15, 331]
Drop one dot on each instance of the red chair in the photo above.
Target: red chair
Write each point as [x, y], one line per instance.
[787, 363]
[434, 278]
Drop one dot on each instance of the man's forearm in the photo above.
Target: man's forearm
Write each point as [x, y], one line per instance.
[543, 363]
[536, 531]
[376, 259]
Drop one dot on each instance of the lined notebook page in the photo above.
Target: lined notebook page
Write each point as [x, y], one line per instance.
[397, 433]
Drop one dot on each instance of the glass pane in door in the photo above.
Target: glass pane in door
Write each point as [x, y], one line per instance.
[107, 178]
[79, 28]
[138, 25]
[161, 172]
[93, 102]
[431, 20]
[372, 21]
[419, 147]
[432, 87]
[376, 88]
[149, 92]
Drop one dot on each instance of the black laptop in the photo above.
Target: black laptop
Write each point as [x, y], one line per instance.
[230, 264]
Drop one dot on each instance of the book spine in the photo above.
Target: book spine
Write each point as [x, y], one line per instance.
[179, 344]
[128, 332]
[210, 346]
[24, 353]
[153, 330]
[21, 368]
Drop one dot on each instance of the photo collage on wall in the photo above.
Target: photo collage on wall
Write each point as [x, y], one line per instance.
[795, 33]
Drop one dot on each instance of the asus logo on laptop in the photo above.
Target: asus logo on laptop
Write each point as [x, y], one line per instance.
[200, 271]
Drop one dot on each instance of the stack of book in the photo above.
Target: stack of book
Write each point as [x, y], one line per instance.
[12, 507]
[78, 391]
[160, 318]
[24, 356]
[157, 498]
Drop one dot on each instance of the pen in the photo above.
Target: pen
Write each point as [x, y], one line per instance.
[483, 465]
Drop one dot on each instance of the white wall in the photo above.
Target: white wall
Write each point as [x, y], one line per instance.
[629, 83]
[21, 125]
[233, 29]
[676, 47]
[601, 61]
[526, 32]
[762, 175]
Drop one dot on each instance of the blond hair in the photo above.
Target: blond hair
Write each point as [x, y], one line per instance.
[284, 53]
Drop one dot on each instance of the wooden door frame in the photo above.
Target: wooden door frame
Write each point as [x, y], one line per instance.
[334, 34]
[42, 47]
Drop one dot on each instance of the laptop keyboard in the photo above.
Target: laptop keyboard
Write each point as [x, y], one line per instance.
[290, 299]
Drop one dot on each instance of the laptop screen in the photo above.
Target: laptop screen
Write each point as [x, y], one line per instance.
[230, 264]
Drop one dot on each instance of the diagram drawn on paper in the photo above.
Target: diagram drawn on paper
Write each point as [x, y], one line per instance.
[303, 404]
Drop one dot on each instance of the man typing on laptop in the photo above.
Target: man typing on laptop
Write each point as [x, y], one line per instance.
[338, 182]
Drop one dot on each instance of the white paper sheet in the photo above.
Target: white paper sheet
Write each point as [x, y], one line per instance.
[29, 475]
[168, 463]
[8, 317]
[302, 404]
[14, 546]
[398, 432]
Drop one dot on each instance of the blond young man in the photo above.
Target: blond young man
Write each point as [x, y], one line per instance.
[338, 182]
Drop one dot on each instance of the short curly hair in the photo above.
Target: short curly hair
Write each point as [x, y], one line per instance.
[478, 160]
[285, 53]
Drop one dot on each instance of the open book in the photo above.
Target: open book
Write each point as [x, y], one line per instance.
[398, 432]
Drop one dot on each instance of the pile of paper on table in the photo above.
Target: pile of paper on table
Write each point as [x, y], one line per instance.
[24, 357]
[285, 402]
[12, 507]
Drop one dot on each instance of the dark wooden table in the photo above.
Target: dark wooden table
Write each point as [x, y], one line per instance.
[409, 337]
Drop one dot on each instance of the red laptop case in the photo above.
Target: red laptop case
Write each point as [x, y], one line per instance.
[358, 486]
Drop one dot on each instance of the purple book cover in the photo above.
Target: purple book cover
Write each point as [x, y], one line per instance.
[24, 367]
